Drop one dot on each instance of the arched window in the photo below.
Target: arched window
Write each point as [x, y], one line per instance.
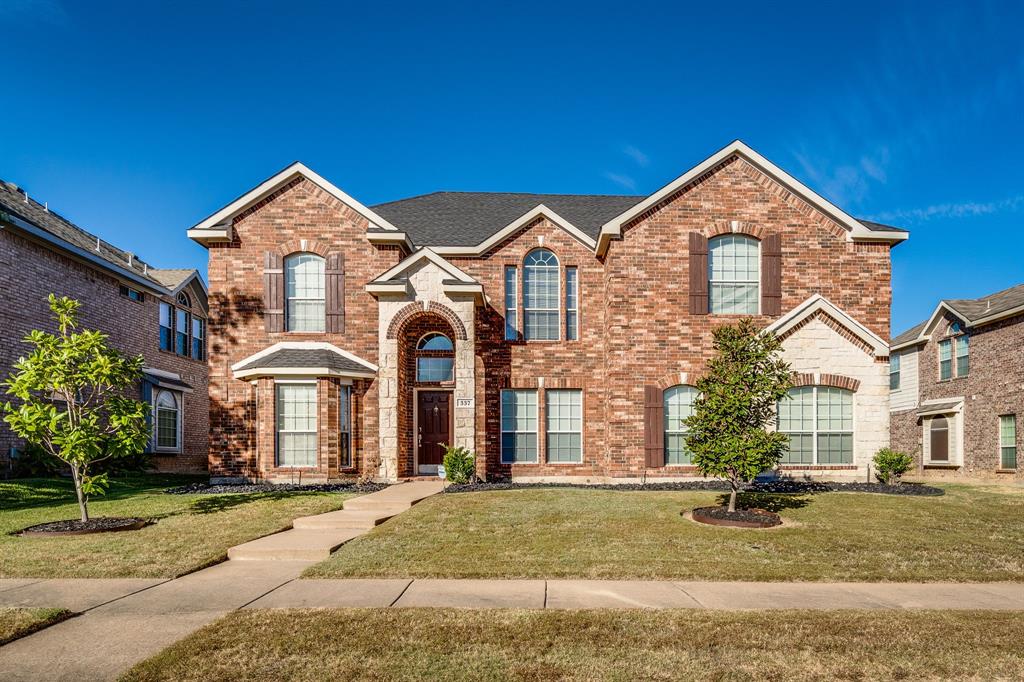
[167, 421]
[734, 271]
[541, 293]
[184, 300]
[304, 292]
[678, 406]
[819, 423]
[939, 440]
[435, 358]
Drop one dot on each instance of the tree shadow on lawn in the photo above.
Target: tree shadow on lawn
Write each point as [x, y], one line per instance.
[773, 502]
[27, 493]
[212, 504]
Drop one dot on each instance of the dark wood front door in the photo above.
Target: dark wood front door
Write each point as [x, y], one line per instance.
[434, 424]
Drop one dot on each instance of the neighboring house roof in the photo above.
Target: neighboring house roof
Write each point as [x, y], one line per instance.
[973, 312]
[171, 278]
[939, 406]
[162, 379]
[305, 358]
[19, 209]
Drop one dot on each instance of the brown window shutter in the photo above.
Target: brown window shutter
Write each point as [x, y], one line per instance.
[698, 274]
[334, 276]
[771, 275]
[273, 292]
[654, 427]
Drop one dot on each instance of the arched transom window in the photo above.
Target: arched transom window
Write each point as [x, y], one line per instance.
[541, 293]
[678, 406]
[304, 292]
[435, 358]
[819, 422]
[734, 275]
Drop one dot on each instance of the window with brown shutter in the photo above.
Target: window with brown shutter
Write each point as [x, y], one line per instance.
[654, 424]
[334, 275]
[771, 275]
[698, 274]
[273, 292]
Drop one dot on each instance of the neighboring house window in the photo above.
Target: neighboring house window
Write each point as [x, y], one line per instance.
[305, 293]
[894, 371]
[572, 303]
[133, 294]
[564, 413]
[511, 297]
[678, 406]
[540, 296]
[518, 426]
[819, 422]
[1008, 441]
[296, 425]
[734, 274]
[168, 422]
[166, 326]
[961, 346]
[181, 318]
[939, 440]
[435, 361]
[183, 299]
[963, 364]
[198, 335]
[345, 427]
[945, 359]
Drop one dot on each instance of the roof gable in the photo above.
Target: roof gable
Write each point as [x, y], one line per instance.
[420, 255]
[818, 304]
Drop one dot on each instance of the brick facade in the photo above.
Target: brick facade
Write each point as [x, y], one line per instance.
[29, 271]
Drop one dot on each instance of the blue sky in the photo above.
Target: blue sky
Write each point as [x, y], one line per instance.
[137, 120]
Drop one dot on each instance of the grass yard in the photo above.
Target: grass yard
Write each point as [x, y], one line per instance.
[439, 644]
[969, 534]
[15, 623]
[191, 531]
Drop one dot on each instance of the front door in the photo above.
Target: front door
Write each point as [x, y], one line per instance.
[434, 426]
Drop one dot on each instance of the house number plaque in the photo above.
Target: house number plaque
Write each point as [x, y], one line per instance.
[463, 402]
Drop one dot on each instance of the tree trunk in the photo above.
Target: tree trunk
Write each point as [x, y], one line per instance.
[732, 497]
[83, 504]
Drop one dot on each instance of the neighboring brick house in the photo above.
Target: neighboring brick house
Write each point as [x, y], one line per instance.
[553, 335]
[957, 388]
[141, 308]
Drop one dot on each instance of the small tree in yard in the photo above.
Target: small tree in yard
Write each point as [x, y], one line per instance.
[72, 393]
[727, 431]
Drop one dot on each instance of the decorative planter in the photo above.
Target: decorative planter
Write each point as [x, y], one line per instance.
[741, 518]
[102, 524]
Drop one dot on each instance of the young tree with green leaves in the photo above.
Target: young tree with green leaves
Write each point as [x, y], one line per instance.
[73, 399]
[728, 433]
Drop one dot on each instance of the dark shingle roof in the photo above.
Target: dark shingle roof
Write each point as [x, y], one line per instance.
[306, 357]
[939, 407]
[469, 218]
[170, 277]
[908, 335]
[14, 201]
[975, 309]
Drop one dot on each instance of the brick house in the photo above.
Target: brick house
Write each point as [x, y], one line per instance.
[957, 388]
[158, 313]
[553, 335]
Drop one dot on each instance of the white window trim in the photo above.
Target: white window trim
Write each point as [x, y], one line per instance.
[816, 431]
[160, 326]
[548, 431]
[278, 432]
[193, 338]
[954, 415]
[347, 390]
[557, 267]
[999, 437]
[575, 303]
[514, 297]
[180, 400]
[898, 361]
[536, 433]
[288, 299]
[681, 430]
[758, 282]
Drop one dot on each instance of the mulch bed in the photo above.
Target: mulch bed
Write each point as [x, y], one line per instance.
[780, 486]
[207, 489]
[100, 524]
[741, 518]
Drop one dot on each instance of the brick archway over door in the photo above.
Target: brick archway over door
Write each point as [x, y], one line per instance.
[403, 316]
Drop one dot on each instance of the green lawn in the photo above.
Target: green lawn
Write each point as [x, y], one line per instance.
[191, 531]
[969, 534]
[439, 644]
[15, 623]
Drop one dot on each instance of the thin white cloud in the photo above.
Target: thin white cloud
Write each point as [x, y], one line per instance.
[966, 209]
[632, 152]
[619, 179]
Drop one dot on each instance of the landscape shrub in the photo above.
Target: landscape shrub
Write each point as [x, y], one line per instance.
[890, 465]
[459, 464]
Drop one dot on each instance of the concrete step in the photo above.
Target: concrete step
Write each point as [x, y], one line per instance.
[347, 518]
[295, 545]
[400, 496]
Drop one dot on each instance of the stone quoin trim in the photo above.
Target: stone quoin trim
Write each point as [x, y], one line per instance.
[406, 314]
[735, 227]
[829, 380]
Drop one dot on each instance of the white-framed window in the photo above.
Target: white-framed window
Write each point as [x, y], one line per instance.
[345, 427]
[938, 439]
[296, 424]
[564, 414]
[954, 357]
[167, 413]
[734, 274]
[819, 423]
[945, 359]
[132, 294]
[894, 372]
[678, 406]
[166, 326]
[304, 293]
[1008, 441]
[518, 426]
[541, 293]
[181, 344]
[511, 303]
[963, 363]
[572, 304]
[437, 362]
[198, 338]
